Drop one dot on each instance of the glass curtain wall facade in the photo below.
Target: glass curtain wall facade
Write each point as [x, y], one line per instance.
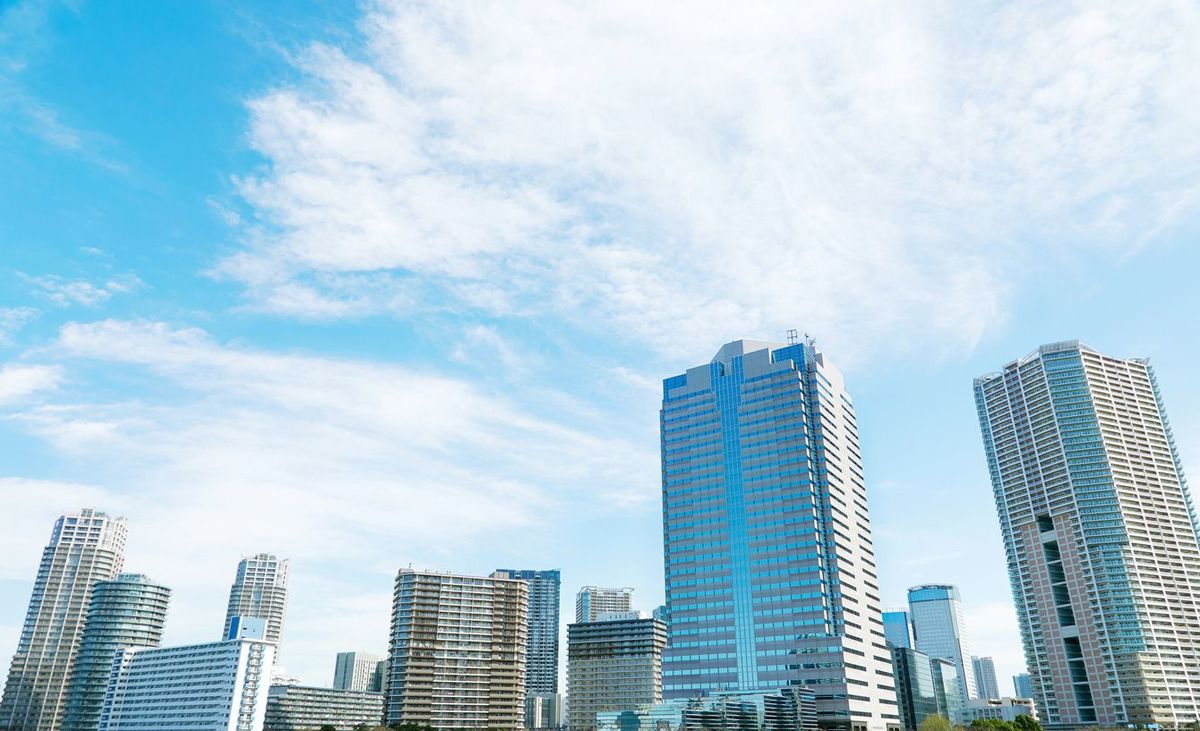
[897, 630]
[85, 547]
[1100, 536]
[939, 630]
[915, 691]
[770, 572]
[128, 612]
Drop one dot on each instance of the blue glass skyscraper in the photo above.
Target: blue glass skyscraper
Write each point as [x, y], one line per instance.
[770, 572]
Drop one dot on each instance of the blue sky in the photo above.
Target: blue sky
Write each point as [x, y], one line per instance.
[386, 284]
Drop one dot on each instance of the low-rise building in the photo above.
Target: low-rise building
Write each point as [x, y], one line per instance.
[786, 709]
[303, 708]
[999, 709]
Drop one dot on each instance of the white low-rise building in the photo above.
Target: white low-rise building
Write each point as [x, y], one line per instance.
[219, 686]
[1001, 709]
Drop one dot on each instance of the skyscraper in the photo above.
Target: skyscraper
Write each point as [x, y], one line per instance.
[770, 571]
[985, 677]
[129, 611]
[939, 630]
[541, 661]
[896, 628]
[592, 600]
[360, 671]
[1100, 536]
[457, 654]
[1022, 686]
[84, 548]
[260, 590]
[613, 664]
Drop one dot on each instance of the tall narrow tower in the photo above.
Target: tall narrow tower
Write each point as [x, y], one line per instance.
[260, 590]
[770, 570]
[85, 547]
[1100, 535]
[129, 611]
[940, 630]
[541, 661]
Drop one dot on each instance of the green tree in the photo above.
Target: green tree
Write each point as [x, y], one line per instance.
[935, 723]
[1029, 723]
[327, 727]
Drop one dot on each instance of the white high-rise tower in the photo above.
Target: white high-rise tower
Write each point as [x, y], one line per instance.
[85, 547]
[1100, 534]
[260, 590]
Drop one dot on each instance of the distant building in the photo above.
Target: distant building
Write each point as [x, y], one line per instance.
[1023, 685]
[613, 665]
[999, 709]
[544, 711]
[897, 630]
[129, 611]
[947, 687]
[591, 600]
[785, 709]
[360, 671]
[305, 708]
[219, 685]
[456, 659]
[260, 590]
[916, 695]
[985, 677]
[85, 547]
[939, 630]
[1100, 534]
[541, 658]
[769, 566]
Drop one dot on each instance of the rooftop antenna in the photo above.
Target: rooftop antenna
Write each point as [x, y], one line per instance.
[810, 341]
[793, 335]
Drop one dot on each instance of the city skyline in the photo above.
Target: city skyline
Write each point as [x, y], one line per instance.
[281, 300]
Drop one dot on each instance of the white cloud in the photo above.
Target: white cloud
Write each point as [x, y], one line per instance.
[18, 382]
[67, 292]
[236, 450]
[865, 172]
[13, 319]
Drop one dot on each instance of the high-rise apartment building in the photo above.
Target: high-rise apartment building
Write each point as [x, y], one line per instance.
[456, 658]
[896, 628]
[544, 710]
[129, 611]
[219, 685]
[770, 570]
[985, 677]
[1022, 685]
[85, 547]
[939, 630]
[1100, 536]
[593, 600]
[541, 660]
[613, 664]
[360, 671]
[260, 590]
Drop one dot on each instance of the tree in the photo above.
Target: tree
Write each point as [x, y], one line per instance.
[1028, 723]
[327, 727]
[935, 723]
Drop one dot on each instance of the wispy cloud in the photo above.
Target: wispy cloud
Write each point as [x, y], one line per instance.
[66, 292]
[13, 319]
[874, 172]
[295, 453]
[18, 382]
